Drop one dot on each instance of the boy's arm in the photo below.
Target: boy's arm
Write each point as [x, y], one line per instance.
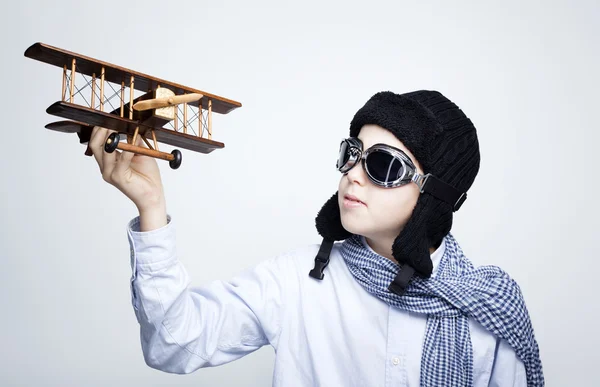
[185, 328]
[508, 369]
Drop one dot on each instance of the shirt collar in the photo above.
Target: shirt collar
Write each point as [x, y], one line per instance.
[436, 257]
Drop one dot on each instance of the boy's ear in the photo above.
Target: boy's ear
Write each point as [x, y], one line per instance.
[329, 222]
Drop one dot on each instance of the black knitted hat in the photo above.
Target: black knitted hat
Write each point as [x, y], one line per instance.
[444, 141]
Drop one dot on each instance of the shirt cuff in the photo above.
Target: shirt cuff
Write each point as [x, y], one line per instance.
[151, 251]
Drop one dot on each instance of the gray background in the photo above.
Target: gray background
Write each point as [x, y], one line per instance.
[526, 73]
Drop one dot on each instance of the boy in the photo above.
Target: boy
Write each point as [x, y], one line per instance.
[395, 303]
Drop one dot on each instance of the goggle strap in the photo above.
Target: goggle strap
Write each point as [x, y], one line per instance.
[443, 191]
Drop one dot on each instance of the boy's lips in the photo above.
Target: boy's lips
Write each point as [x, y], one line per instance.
[353, 201]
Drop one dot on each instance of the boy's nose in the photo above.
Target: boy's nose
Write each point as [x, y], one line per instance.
[357, 175]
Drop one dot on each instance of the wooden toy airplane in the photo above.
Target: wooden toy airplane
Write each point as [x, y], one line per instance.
[158, 103]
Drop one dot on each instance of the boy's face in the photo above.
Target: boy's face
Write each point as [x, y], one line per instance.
[383, 211]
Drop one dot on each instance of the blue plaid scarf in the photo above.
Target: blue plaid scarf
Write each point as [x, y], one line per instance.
[456, 292]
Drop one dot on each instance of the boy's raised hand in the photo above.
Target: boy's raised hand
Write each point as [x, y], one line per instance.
[137, 176]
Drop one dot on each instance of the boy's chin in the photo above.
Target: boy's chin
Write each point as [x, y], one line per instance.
[354, 227]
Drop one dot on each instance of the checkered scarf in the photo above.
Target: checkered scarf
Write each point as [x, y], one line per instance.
[456, 292]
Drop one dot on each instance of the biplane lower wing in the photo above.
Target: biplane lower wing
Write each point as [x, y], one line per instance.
[91, 117]
[67, 126]
[83, 130]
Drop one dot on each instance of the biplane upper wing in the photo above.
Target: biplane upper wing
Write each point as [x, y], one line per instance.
[117, 74]
[111, 121]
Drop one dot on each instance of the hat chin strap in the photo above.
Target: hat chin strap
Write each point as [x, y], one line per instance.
[400, 283]
[443, 191]
[322, 259]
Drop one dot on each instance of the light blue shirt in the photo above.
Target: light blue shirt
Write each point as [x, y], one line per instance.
[325, 333]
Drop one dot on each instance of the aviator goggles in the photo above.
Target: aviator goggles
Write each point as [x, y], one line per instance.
[389, 167]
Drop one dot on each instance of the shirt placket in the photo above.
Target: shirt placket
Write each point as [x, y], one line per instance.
[396, 373]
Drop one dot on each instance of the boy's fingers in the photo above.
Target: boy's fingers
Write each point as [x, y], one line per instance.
[96, 144]
[124, 160]
[109, 165]
[108, 159]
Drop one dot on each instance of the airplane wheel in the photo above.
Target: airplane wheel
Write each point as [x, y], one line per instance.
[112, 142]
[176, 162]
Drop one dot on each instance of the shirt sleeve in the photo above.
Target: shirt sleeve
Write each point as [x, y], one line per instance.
[508, 369]
[184, 328]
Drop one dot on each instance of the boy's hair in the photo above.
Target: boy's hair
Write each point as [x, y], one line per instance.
[444, 141]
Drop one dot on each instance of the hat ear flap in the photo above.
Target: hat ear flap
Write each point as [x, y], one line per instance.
[411, 246]
[329, 222]
[429, 223]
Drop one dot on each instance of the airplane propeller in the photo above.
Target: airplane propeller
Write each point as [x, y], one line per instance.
[158, 103]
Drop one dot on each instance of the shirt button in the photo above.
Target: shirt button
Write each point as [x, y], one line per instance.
[395, 361]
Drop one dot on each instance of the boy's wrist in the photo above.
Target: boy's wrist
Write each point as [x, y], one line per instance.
[153, 218]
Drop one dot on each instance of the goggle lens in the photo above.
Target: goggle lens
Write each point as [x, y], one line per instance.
[384, 167]
[344, 155]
